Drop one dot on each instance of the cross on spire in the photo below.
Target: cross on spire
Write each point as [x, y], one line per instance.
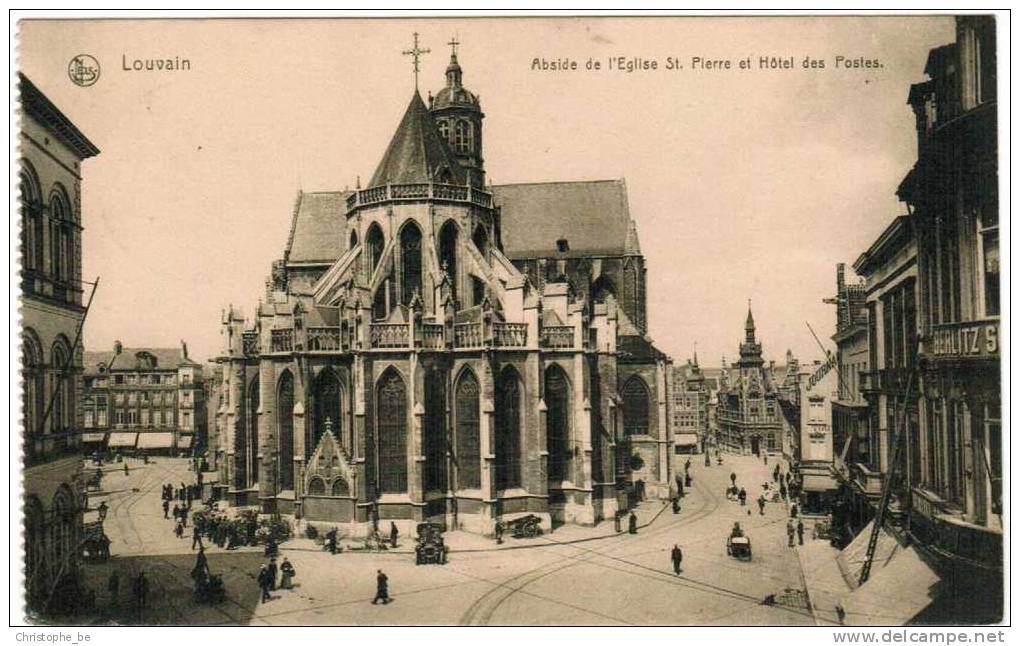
[453, 44]
[415, 53]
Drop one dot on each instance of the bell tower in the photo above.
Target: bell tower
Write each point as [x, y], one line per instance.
[458, 115]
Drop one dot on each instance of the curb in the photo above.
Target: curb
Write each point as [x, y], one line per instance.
[549, 543]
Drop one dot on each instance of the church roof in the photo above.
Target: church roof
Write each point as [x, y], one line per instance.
[318, 227]
[593, 217]
[417, 153]
[637, 347]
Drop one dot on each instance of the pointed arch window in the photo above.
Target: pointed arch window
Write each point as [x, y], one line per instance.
[60, 236]
[635, 407]
[448, 254]
[391, 422]
[285, 426]
[434, 432]
[328, 397]
[410, 262]
[468, 446]
[375, 242]
[316, 487]
[353, 240]
[509, 404]
[557, 401]
[63, 384]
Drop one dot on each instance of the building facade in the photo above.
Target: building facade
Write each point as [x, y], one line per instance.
[144, 400]
[818, 384]
[955, 477]
[689, 394]
[748, 415]
[52, 311]
[432, 348]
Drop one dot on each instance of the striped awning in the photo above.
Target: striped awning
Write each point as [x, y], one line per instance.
[685, 439]
[819, 482]
[122, 440]
[155, 440]
[93, 437]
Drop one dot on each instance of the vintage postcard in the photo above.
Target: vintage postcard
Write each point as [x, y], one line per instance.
[509, 321]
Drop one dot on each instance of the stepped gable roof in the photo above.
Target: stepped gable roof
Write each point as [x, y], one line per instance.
[592, 216]
[416, 154]
[166, 359]
[318, 227]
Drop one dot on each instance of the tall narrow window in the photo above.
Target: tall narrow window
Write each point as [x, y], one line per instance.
[462, 136]
[392, 432]
[285, 427]
[635, 407]
[410, 262]
[374, 242]
[251, 447]
[448, 254]
[31, 219]
[481, 239]
[557, 401]
[989, 270]
[468, 448]
[327, 408]
[434, 433]
[508, 430]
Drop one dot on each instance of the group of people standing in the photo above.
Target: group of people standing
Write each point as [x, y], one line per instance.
[269, 573]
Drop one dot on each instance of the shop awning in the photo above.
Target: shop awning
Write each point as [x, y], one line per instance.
[819, 482]
[155, 440]
[184, 442]
[685, 439]
[894, 593]
[122, 440]
[93, 437]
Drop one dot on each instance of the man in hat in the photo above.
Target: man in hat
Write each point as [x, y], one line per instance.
[263, 581]
[381, 588]
[677, 556]
[632, 523]
[800, 531]
[789, 533]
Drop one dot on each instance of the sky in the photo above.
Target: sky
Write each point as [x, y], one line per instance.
[744, 184]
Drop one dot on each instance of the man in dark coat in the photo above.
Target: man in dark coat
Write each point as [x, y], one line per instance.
[800, 531]
[789, 533]
[632, 523]
[263, 581]
[733, 478]
[381, 588]
[676, 505]
[761, 505]
[196, 538]
[775, 474]
[393, 535]
[677, 557]
[166, 508]
[742, 495]
[499, 532]
[201, 570]
[272, 573]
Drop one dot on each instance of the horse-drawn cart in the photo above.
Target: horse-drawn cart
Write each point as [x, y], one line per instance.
[95, 544]
[526, 526]
[739, 547]
[430, 547]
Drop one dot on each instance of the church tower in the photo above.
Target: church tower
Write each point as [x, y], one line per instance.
[458, 115]
[750, 349]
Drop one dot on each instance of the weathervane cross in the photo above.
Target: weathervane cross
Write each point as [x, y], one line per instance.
[415, 53]
[453, 44]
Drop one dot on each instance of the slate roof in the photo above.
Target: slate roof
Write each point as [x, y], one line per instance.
[593, 217]
[637, 347]
[417, 153]
[166, 359]
[317, 232]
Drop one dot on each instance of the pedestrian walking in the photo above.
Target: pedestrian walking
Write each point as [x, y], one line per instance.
[166, 508]
[782, 491]
[263, 581]
[381, 588]
[789, 532]
[103, 509]
[632, 523]
[775, 474]
[196, 538]
[393, 535]
[708, 460]
[272, 573]
[179, 529]
[742, 495]
[800, 532]
[113, 587]
[331, 540]
[761, 505]
[287, 570]
[733, 478]
[499, 531]
[687, 465]
[201, 569]
[793, 510]
[617, 522]
[677, 557]
[127, 470]
[676, 505]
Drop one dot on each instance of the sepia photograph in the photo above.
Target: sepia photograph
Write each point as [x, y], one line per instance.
[508, 320]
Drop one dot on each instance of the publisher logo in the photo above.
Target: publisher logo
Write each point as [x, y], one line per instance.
[83, 70]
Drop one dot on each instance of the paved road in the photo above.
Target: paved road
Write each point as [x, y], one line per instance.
[621, 579]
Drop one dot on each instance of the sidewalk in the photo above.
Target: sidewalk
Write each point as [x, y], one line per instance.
[461, 541]
[823, 580]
